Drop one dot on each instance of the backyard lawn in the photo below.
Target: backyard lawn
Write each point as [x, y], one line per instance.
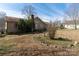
[38, 44]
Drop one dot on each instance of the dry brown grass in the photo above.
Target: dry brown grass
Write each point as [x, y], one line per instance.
[70, 34]
[24, 45]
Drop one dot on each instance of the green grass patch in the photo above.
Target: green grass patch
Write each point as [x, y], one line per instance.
[6, 46]
[56, 41]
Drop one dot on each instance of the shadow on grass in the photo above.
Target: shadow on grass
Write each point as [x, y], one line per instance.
[19, 33]
[62, 39]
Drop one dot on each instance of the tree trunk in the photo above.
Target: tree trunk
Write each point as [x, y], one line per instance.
[75, 25]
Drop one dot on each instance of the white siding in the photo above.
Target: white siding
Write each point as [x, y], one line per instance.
[71, 26]
[78, 26]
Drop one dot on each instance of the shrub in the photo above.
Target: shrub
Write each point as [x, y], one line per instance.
[29, 24]
[21, 26]
[24, 26]
[52, 30]
[61, 26]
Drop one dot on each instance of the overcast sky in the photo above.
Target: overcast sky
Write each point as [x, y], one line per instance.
[46, 11]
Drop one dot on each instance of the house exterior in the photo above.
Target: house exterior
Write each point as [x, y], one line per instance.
[11, 24]
[39, 24]
[69, 24]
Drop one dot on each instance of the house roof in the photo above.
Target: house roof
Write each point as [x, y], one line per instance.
[11, 19]
[15, 19]
[37, 18]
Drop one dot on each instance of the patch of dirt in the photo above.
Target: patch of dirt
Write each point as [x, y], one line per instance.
[25, 45]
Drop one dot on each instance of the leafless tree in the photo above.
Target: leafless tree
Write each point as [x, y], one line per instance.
[2, 22]
[29, 11]
[57, 23]
[73, 13]
[2, 14]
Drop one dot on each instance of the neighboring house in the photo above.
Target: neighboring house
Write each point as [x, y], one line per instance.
[69, 24]
[39, 24]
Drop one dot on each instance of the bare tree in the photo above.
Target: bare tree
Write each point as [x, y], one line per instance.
[29, 11]
[2, 14]
[2, 22]
[73, 13]
[57, 23]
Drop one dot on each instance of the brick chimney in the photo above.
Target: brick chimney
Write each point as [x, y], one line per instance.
[33, 23]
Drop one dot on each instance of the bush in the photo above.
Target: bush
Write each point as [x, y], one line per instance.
[52, 30]
[29, 24]
[61, 26]
[21, 26]
[24, 26]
